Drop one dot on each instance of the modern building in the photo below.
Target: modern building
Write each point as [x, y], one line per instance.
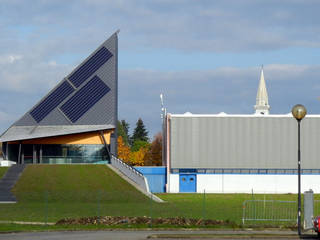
[76, 121]
[222, 153]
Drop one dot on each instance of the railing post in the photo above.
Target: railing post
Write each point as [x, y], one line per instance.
[204, 205]
[243, 211]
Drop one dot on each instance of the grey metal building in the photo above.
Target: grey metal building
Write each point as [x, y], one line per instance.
[241, 153]
[241, 145]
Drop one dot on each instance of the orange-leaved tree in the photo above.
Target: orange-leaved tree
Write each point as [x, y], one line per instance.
[124, 152]
[137, 158]
[154, 156]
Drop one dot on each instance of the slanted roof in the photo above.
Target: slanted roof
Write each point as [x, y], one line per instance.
[85, 100]
[17, 133]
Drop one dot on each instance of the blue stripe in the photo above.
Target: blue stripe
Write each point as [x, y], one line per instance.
[245, 171]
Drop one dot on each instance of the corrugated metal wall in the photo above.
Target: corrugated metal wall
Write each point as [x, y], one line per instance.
[243, 142]
[156, 178]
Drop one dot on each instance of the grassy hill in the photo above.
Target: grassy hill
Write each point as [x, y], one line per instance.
[52, 192]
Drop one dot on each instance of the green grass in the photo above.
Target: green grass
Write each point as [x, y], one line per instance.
[48, 193]
[3, 170]
[13, 227]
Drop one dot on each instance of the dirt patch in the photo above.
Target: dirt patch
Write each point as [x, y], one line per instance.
[110, 220]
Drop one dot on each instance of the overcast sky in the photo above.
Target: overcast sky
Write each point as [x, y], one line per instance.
[204, 56]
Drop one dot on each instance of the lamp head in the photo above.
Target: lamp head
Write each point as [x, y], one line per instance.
[299, 112]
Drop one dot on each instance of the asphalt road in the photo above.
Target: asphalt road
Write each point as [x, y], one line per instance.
[138, 235]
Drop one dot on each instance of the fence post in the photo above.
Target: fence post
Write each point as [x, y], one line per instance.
[204, 205]
[99, 205]
[264, 206]
[150, 209]
[243, 212]
[46, 208]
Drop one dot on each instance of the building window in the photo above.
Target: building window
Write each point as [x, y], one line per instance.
[78, 153]
[60, 153]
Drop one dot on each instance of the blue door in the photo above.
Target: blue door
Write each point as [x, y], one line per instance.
[188, 182]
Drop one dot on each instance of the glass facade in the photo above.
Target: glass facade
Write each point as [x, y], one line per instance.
[59, 153]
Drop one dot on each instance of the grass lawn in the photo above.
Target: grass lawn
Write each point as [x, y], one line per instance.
[3, 171]
[48, 193]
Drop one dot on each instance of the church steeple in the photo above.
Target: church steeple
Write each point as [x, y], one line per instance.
[262, 103]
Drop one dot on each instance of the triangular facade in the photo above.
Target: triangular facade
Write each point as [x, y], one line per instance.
[82, 102]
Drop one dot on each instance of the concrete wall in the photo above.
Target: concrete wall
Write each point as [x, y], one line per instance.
[246, 183]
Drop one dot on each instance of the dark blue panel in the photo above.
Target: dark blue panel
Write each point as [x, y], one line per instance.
[84, 99]
[52, 101]
[90, 66]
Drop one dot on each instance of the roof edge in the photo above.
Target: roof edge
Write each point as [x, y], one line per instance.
[64, 131]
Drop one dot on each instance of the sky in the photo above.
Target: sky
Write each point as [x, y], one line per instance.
[204, 56]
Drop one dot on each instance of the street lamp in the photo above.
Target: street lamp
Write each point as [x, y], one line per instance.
[299, 112]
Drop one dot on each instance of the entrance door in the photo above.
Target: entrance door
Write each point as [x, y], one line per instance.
[187, 183]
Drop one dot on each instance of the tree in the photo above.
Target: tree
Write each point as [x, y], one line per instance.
[123, 128]
[137, 158]
[140, 132]
[139, 144]
[154, 156]
[124, 152]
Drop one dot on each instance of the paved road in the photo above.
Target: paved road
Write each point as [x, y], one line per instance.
[139, 235]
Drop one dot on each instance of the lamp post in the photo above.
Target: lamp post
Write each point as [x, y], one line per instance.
[299, 112]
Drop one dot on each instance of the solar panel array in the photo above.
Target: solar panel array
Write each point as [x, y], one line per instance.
[52, 101]
[92, 65]
[84, 99]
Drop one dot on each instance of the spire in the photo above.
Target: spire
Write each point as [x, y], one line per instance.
[262, 103]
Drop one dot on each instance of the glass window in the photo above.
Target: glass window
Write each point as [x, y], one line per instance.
[13, 151]
[76, 153]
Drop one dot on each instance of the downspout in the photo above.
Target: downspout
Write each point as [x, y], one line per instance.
[105, 144]
[34, 154]
[168, 150]
[19, 154]
[5, 150]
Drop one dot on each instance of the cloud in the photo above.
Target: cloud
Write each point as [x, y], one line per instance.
[230, 90]
[29, 75]
[9, 59]
[226, 89]
[42, 42]
[192, 26]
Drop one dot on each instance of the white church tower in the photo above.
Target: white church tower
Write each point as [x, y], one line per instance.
[262, 104]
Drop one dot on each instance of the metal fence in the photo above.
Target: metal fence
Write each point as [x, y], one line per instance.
[316, 208]
[48, 207]
[269, 210]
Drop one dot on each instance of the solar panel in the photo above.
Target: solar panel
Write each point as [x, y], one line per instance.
[52, 101]
[90, 66]
[84, 99]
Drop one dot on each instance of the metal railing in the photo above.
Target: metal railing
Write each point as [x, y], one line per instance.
[131, 173]
[72, 159]
[269, 210]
